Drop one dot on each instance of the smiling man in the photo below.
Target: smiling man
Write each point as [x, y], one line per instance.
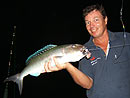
[107, 73]
[110, 68]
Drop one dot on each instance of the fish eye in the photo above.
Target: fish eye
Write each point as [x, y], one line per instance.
[73, 46]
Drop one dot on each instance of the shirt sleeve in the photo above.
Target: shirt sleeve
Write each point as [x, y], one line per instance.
[86, 67]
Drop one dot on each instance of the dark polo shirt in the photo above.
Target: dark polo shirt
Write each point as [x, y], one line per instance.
[111, 73]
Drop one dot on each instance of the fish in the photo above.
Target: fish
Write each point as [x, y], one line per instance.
[35, 63]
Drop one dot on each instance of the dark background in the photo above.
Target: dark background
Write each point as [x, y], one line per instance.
[39, 23]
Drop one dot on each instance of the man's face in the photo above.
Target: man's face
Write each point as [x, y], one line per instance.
[95, 23]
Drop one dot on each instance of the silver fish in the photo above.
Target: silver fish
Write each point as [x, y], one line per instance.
[35, 63]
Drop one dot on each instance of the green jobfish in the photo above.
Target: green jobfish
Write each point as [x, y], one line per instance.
[35, 63]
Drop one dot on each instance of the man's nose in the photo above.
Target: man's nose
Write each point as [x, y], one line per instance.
[92, 24]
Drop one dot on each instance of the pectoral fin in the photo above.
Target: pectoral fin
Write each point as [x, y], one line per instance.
[35, 74]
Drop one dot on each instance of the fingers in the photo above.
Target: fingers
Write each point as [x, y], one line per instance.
[46, 67]
[49, 68]
[56, 63]
[59, 66]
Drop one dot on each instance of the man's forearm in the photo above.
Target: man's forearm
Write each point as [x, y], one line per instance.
[79, 77]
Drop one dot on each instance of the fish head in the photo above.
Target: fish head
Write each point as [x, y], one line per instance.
[75, 52]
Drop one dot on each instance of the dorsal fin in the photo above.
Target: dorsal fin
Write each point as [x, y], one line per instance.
[48, 47]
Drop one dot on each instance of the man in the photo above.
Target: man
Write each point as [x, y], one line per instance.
[107, 73]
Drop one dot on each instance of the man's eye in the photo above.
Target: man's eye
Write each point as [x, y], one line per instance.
[87, 23]
[96, 19]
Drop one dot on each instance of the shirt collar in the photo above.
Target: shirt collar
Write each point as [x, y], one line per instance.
[111, 36]
[90, 43]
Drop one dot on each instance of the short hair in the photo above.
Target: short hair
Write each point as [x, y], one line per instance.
[91, 8]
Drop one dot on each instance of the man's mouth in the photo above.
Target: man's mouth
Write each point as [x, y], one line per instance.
[93, 30]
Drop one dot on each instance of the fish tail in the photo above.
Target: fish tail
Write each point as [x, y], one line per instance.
[16, 78]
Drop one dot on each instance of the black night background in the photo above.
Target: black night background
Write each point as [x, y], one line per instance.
[39, 23]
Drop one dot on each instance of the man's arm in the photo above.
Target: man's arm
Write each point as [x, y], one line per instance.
[79, 77]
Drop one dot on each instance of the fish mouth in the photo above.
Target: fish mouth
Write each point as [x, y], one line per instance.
[85, 51]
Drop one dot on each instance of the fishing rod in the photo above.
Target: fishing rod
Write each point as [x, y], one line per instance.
[121, 19]
[10, 63]
[124, 34]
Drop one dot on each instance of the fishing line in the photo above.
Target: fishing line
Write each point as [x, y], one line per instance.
[117, 46]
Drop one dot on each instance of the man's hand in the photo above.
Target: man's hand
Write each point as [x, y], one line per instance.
[57, 67]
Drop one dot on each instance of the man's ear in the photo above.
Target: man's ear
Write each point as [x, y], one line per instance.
[106, 19]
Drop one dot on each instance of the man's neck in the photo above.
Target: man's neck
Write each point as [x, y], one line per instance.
[102, 39]
[102, 42]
